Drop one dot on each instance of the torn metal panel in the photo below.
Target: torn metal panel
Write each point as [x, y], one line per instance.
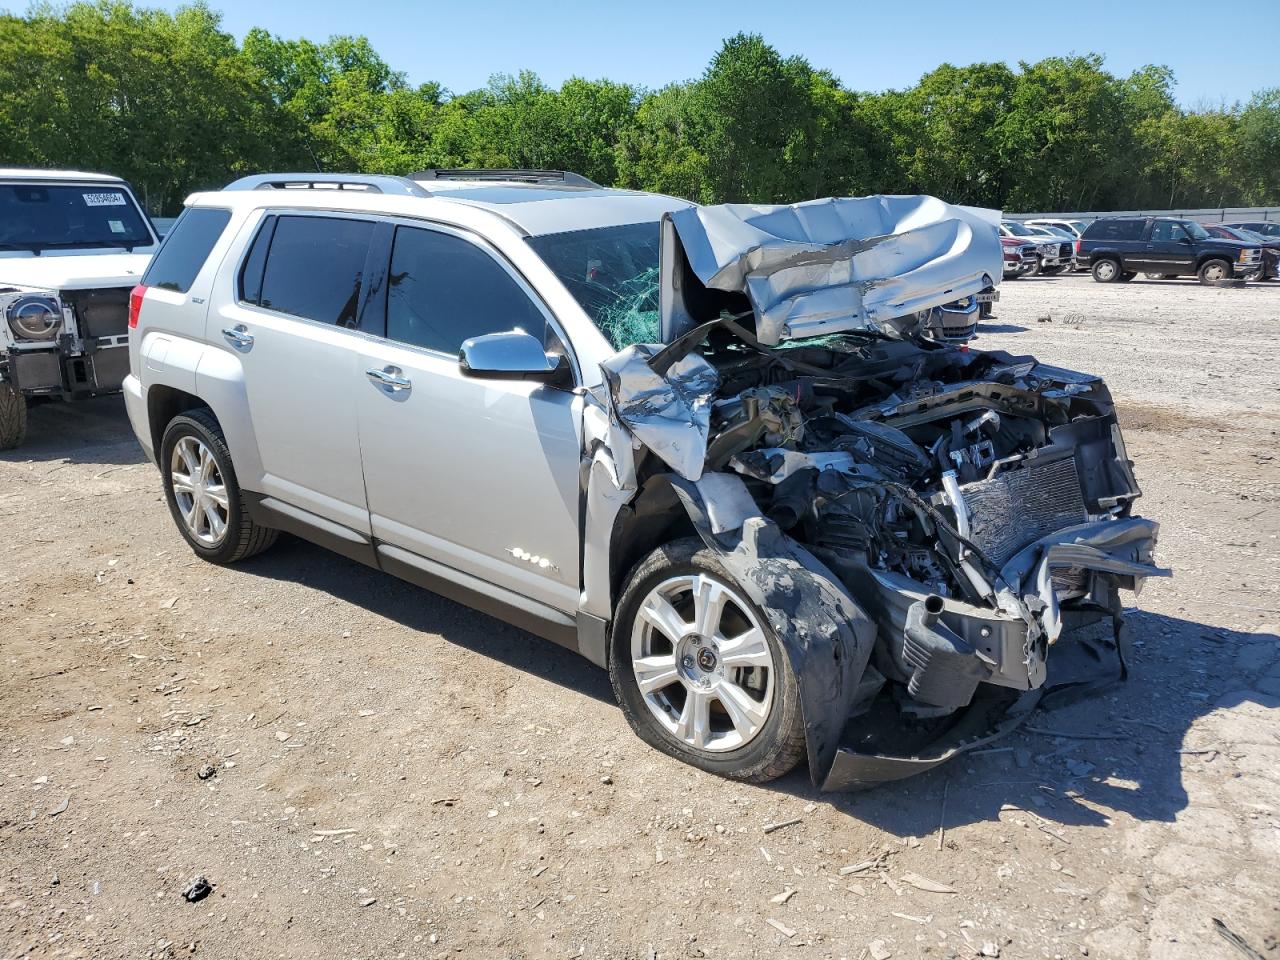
[670, 413]
[832, 265]
[827, 636]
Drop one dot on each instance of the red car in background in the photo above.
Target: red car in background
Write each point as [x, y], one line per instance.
[1270, 247]
[1019, 257]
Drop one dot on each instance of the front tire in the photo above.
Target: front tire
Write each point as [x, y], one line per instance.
[698, 671]
[13, 417]
[1106, 271]
[203, 494]
[1211, 271]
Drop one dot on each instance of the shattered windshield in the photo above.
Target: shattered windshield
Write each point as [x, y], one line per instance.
[40, 217]
[613, 274]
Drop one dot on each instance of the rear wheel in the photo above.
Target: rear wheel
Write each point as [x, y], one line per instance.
[1033, 269]
[1211, 271]
[203, 494]
[1106, 271]
[13, 417]
[698, 671]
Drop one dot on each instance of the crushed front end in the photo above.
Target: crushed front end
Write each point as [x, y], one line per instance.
[939, 536]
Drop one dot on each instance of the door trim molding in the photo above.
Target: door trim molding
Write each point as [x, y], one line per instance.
[470, 591]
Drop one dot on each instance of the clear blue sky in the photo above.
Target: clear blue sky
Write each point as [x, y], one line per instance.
[870, 46]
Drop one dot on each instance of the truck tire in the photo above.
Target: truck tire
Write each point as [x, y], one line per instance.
[13, 417]
[1211, 271]
[1106, 270]
[664, 650]
[1034, 269]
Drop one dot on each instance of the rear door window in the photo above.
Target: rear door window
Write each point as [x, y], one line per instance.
[185, 248]
[1116, 230]
[314, 268]
[443, 289]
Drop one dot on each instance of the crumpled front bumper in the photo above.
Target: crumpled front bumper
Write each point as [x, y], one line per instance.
[1107, 556]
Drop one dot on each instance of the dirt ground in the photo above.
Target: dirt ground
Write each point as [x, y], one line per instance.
[393, 775]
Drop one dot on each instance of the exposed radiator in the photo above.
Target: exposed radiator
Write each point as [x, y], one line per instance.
[1021, 506]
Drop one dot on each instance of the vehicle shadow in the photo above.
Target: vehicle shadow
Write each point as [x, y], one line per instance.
[421, 610]
[1001, 328]
[1077, 781]
[93, 431]
[1062, 780]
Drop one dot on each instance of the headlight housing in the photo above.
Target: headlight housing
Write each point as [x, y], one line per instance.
[35, 317]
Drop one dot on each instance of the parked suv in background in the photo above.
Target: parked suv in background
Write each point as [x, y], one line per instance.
[1118, 248]
[71, 247]
[710, 448]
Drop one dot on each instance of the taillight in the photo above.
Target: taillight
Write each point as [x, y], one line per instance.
[135, 304]
[1077, 246]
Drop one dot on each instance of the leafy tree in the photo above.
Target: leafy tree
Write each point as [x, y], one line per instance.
[172, 102]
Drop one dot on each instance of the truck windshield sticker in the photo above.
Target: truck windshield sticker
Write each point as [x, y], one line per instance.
[104, 200]
[117, 226]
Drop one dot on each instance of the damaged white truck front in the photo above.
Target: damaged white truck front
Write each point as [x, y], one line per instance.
[937, 537]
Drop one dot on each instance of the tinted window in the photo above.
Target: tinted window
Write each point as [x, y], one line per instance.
[1115, 230]
[314, 268]
[185, 248]
[43, 217]
[251, 272]
[443, 289]
[1164, 231]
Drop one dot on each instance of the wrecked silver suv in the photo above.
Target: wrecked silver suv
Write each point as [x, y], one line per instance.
[711, 448]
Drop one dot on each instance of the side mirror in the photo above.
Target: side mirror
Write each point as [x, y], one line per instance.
[514, 355]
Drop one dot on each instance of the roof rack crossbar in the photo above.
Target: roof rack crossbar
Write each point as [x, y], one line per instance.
[355, 182]
[566, 177]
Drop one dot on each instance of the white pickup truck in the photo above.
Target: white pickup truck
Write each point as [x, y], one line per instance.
[72, 246]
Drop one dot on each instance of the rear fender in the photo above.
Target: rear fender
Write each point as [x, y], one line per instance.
[827, 636]
[219, 382]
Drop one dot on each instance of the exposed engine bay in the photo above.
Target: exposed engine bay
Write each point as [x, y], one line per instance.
[972, 509]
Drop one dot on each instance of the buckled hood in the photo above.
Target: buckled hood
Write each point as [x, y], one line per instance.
[826, 266]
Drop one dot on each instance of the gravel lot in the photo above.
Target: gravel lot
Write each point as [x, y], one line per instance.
[394, 775]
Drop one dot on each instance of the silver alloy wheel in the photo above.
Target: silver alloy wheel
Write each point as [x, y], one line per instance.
[1106, 270]
[1214, 272]
[710, 689]
[199, 491]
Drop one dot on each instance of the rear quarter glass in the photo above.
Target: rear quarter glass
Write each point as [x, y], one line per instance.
[185, 248]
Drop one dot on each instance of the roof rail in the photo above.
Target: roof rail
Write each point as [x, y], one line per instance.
[355, 182]
[565, 177]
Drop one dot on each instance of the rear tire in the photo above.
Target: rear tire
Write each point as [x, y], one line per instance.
[13, 417]
[762, 737]
[203, 494]
[1034, 269]
[1106, 271]
[1211, 271]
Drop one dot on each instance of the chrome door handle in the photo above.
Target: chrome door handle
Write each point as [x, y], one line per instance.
[239, 336]
[389, 377]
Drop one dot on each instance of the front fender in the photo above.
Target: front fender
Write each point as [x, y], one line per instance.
[827, 636]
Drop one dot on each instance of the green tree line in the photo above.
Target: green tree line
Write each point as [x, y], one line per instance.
[174, 103]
